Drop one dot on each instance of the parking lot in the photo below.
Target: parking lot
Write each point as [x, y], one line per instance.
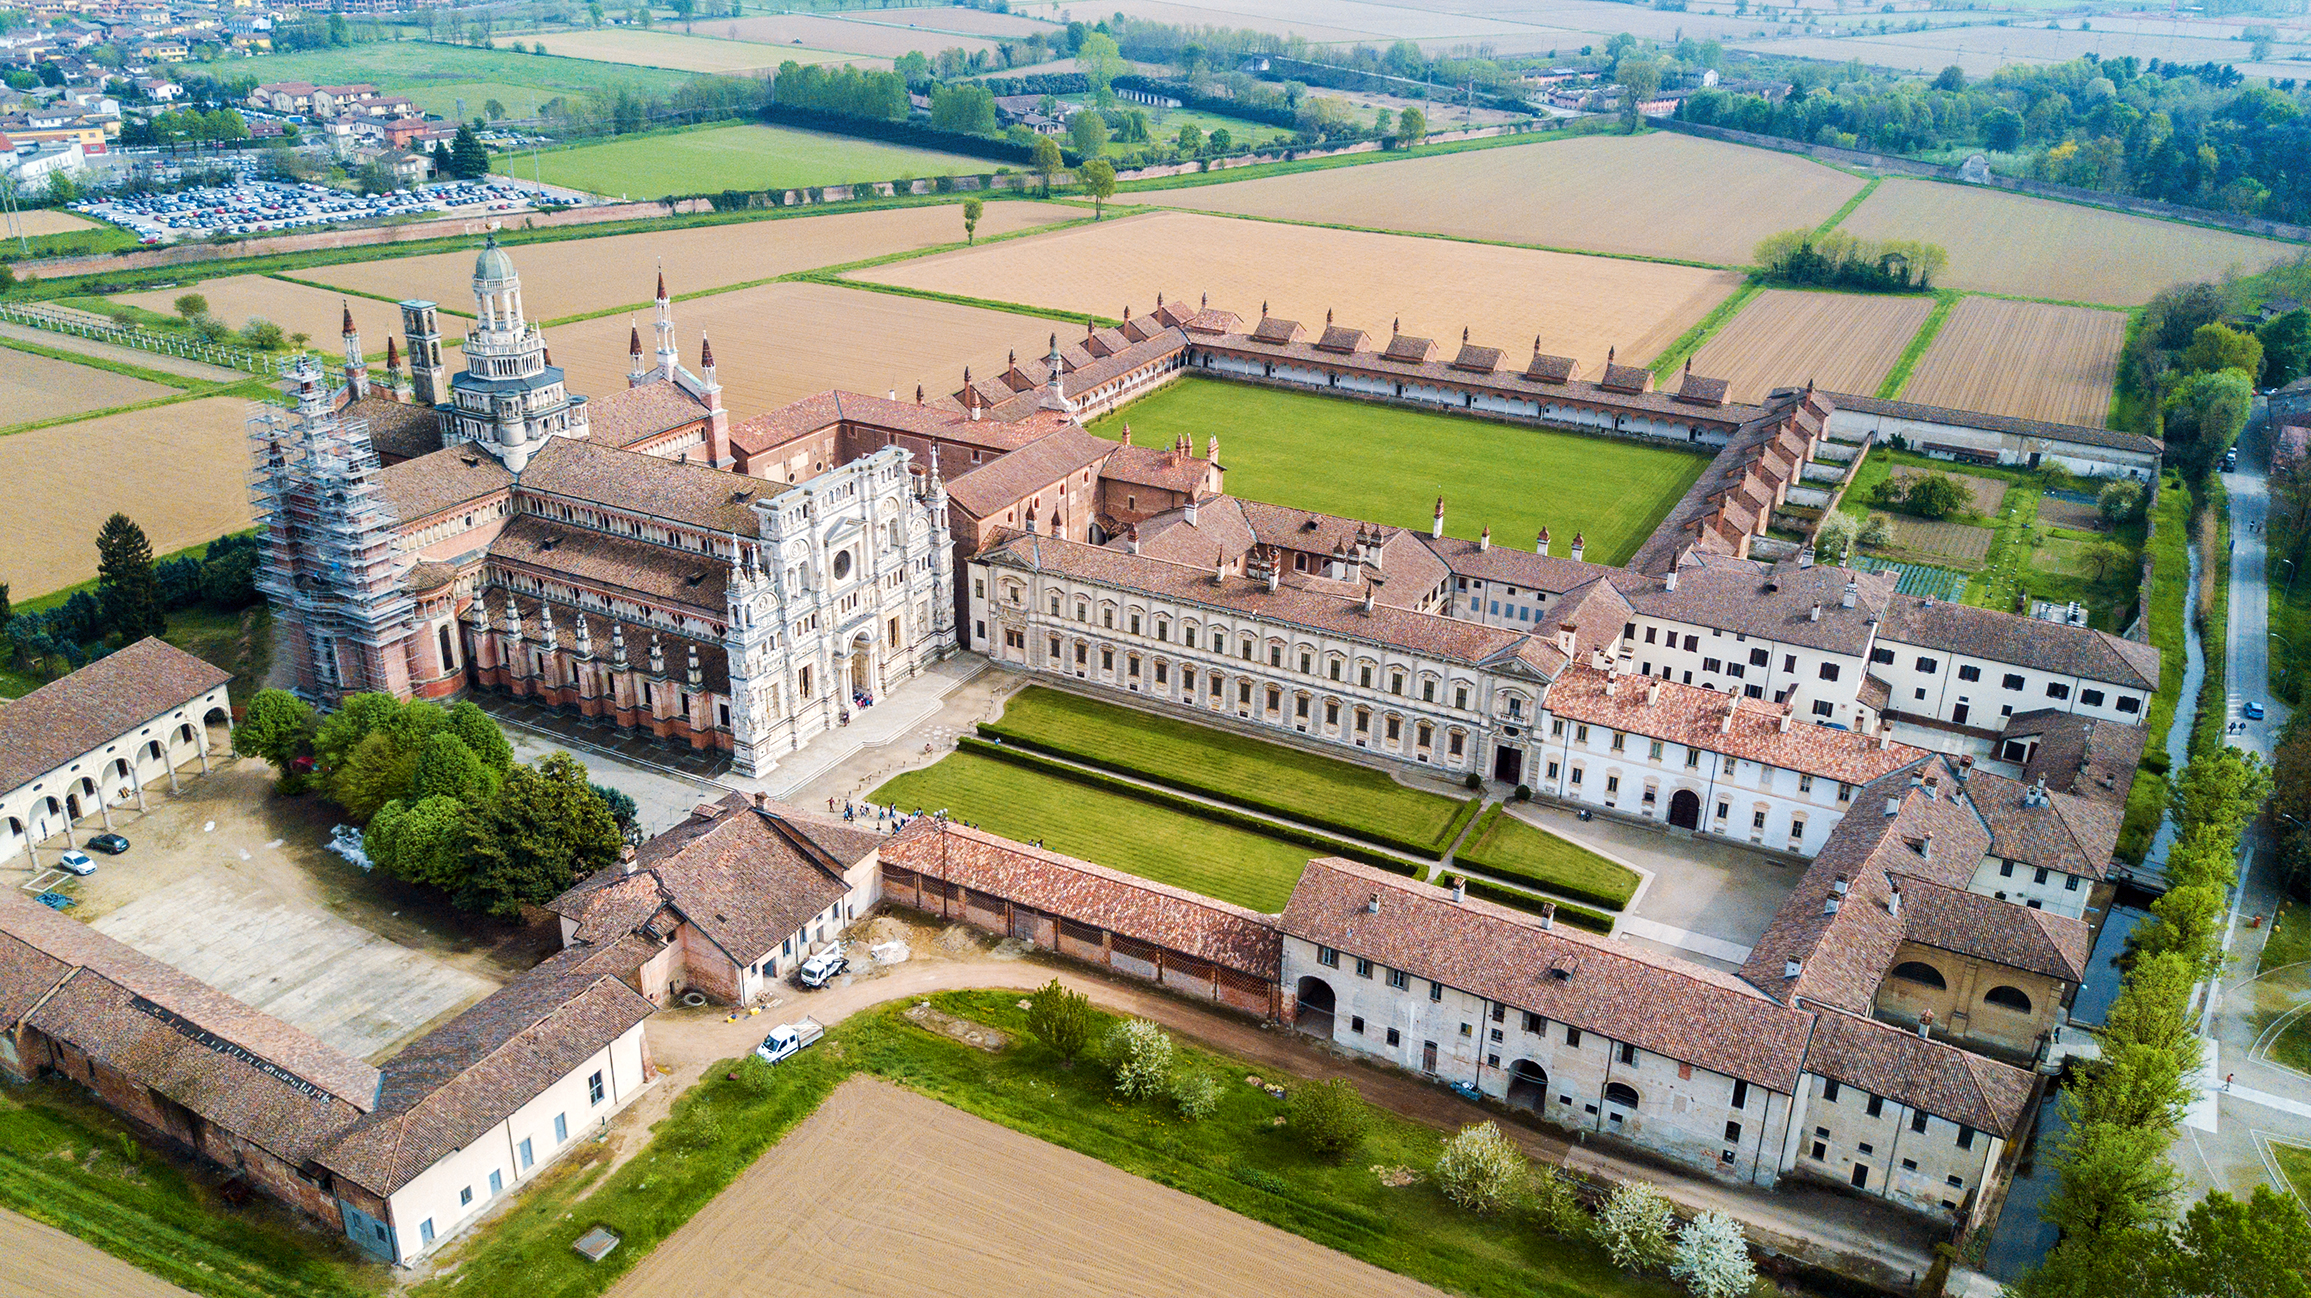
[230, 883]
[250, 206]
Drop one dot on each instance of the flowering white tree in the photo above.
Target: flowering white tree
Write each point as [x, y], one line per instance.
[1712, 1258]
[1480, 1169]
[1141, 1055]
[1634, 1226]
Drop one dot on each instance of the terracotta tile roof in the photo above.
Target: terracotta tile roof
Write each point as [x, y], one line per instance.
[657, 572]
[1272, 330]
[745, 878]
[1151, 467]
[1209, 321]
[1657, 1003]
[713, 660]
[2000, 932]
[2060, 831]
[425, 578]
[1701, 391]
[646, 484]
[1693, 716]
[1480, 360]
[456, 1082]
[1551, 369]
[2025, 642]
[1172, 918]
[1409, 350]
[2079, 434]
[1775, 601]
[110, 697]
[630, 415]
[1340, 338]
[2078, 754]
[941, 419]
[1294, 602]
[1005, 481]
[1220, 535]
[1874, 693]
[1953, 1084]
[398, 430]
[441, 481]
[1626, 378]
[1526, 568]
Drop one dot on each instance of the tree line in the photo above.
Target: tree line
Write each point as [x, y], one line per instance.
[1836, 259]
[2192, 378]
[133, 597]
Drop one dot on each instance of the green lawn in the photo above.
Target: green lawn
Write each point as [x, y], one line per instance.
[1167, 131]
[1322, 792]
[2295, 1164]
[745, 155]
[70, 243]
[1387, 465]
[1108, 828]
[1238, 1157]
[2290, 939]
[1508, 848]
[434, 74]
[80, 1170]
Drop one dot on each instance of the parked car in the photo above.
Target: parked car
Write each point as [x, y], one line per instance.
[2253, 711]
[77, 863]
[820, 968]
[787, 1038]
[109, 844]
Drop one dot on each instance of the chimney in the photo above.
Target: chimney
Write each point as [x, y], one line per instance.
[1368, 598]
[1894, 899]
[1372, 906]
[1893, 804]
[1816, 615]
[1220, 568]
[1885, 732]
[1786, 713]
[1926, 846]
[1829, 905]
[626, 858]
[1791, 968]
[1459, 889]
[1548, 914]
[1612, 680]
[1669, 579]
[1847, 600]
[1131, 540]
[1484, 539]
[1925, 1023]
[1840, 885]
[1541, 542]
[1578, 544]
[1652, 692]
[1436, 525]
[1565, 638]
[1190, 512]
[1275, 571]
[1725, 726]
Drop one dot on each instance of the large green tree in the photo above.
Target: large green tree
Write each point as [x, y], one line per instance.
[425, 842]
[275, 726]
[481, 735]
[1100, 62]
[352, 722]
[1097, 177]
[447, 768]
[376, 772]
[1087, 131]
[125, 585]
[468, 157]
[546, 831]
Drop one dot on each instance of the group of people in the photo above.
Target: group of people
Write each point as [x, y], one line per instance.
[891, 820]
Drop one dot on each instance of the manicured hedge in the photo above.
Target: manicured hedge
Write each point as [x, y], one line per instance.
[1503, 846]
[1580, 916]
[1021, 756]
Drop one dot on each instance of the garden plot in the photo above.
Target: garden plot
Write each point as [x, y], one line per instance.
[1958, 544]
[1985, 494]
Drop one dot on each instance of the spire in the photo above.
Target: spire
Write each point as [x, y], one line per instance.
[706, 355]
[918, 394]
[348, 316]
[356, 365]
[636, 373]
[669, 359]
[1464, 335]
[1127, 434]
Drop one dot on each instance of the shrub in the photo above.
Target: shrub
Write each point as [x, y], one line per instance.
[1557, 1207]
[1524, 793]
[1480, 1169]
[1060, 1019]
[1712, 1258]
[263, 335]
[1196, 1094]
[1141, 1055]
[1835, 537]
[1472, 781]
[1330, 1118]
[1876, 530]
[1634, 1226]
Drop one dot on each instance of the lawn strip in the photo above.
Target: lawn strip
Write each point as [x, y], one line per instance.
[1505, 846]
[181, 382]
[1851, 203]
[2170, 595]
[2214, 616]
[1721, 315]
[958, 299]
[1267, 169]
[1560, 249]
[1898, 377]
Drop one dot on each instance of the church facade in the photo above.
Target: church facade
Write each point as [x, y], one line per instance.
[488, 529]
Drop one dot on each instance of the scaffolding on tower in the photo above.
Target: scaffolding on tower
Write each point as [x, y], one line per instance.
[327, 539]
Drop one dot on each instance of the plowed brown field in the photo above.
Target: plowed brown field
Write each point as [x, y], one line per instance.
[1658, 195]
[1580, 306]
[778, 342]
[699, 53]
[177, 469]
[1838, 341]
[47, 220]
[297, 308]
[33, 388]
[44, 1262]
[2034, 247]
[573, 277]
[2025, 359]
[823, 33]
[883, 1191]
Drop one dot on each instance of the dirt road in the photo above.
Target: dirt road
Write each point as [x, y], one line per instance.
[44, 1262]
[883, 1191]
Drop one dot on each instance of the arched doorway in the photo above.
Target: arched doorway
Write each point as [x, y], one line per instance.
[1528, 1086]
[1685, 809]
[219, 724]
[1509, 764]
[862, 671]
[1315, 1001]
[1620, 1105]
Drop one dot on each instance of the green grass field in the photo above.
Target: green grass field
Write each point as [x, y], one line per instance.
[740, 156]
[1320, 792]
[434, 74]
[2295, 1164]
[1386, 465]
[71, 243]
[1110, 829]
[1508, 848]
[80, 1170]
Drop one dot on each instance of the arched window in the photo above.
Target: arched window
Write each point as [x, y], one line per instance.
[2010, 997]
[1926, 974]
[1622, 1094]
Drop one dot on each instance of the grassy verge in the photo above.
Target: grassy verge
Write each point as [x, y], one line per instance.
[69, 243]
[1507, 847]
[1238, 1158]
[77, 1168]
[2290, 939]
[1898, 377]
[962, 299]
[2211, 605]
[1319, 791]
[2295, 1164]
[1860, 196]
[182, 382]
[2290, 607]
[1706, 328]
[1500, 894]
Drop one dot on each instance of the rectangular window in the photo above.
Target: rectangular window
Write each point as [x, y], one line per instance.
[1328, 957]
[561, 1127]
[464, 1196]
[1394, 1037]
[1628, 1053]
[1965, 1137]
[1649, 633]
[1740, 1094]
[1829, 671]
[1580, 734]
[1653, 751]
[1881, 655]
[1732, 1133]
[1573, 1038]
[527, 1157]
[2057, 690]
[1532, 1022]
[1877, 1105]
[1830, 1090]
[1969, 674]
[1710, 664]
[1929, 665]
[2012, 681]
[1356, 1024]
[1436, 991]
[2090, 698]
[1397, 979]
[594, 1090]
[1363, 967]
[1917, 1120]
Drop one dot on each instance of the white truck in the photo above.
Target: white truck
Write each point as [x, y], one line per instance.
[787, 1038]
[820, 969]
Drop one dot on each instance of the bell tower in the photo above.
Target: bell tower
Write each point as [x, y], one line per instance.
[423, 330]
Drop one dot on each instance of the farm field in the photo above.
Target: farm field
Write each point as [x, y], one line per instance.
[883, 39]
[1507, 848]
[1342, 19]
[2035, 247]
[33, 388]
[1388, 465]
[941, 1201]
[1322, 792]
[1841, 342]
[685, 53]
[297, 308]
[1700, 200]
[745, 155]
[1114, 829]
[434, 73]
[179, 470]
[574, 277]
[2025, 359]
[39, 221]
[52, 1264]
[1579, 306]
[780, 342]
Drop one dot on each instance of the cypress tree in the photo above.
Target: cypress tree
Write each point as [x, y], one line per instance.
[124, 581]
